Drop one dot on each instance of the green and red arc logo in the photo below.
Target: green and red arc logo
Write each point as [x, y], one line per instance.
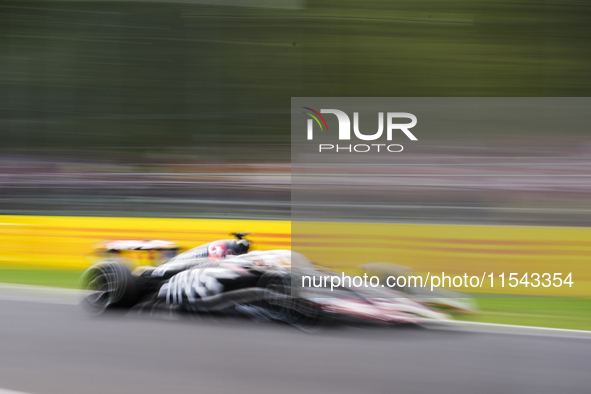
[316, 117]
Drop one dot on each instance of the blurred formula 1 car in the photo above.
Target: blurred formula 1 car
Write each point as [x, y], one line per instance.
[222, 277]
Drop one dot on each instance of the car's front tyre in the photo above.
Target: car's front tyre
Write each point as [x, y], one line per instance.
[108, 284]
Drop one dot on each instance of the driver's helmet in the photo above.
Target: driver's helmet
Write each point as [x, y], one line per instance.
[229, 247]
[217, 250]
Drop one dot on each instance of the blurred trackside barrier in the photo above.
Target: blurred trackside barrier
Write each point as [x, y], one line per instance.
[455, 250]
[67, 242]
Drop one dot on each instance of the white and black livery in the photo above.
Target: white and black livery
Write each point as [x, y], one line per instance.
[223, 277]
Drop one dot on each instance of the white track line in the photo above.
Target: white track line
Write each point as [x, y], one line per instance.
[495, 328]
[4, 391]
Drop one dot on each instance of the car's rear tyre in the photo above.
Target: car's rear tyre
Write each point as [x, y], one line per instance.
[293, 310]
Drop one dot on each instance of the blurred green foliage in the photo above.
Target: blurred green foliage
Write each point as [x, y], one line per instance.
[146, 76]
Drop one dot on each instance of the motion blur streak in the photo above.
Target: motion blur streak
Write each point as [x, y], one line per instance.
[455, 249]
[66, 242]
[165, 79]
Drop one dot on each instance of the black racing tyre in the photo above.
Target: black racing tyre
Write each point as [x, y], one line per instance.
[277, 297]
[106, 285]
[275, 281]
[282, 300]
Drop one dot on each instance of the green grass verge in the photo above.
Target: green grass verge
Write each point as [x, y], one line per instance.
[572, 313]
[41, 277]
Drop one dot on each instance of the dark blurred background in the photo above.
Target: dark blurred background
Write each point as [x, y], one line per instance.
[183, 109]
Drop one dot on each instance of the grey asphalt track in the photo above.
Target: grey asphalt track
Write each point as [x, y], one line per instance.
[56, 349]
